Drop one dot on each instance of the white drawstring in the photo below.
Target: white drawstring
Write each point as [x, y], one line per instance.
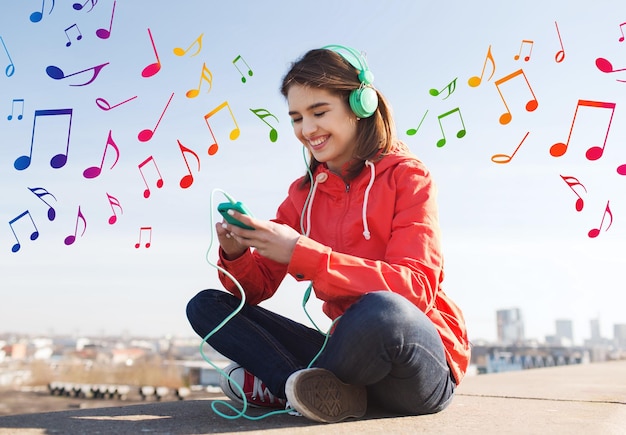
[321, 177]
[366, 230]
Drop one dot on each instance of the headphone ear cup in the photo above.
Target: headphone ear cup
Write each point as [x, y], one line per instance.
[364, 101]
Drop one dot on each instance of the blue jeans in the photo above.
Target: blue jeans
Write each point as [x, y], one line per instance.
[382, 341]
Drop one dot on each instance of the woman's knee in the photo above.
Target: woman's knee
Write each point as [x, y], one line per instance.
[203, 302]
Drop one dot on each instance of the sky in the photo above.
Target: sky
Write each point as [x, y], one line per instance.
[124, 122]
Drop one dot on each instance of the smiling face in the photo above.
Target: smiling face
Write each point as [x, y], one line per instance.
[324, 124]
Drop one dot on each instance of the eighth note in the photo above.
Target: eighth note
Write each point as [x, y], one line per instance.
[525, 41]
[33, 235]
[113, 201]
[234, 134]
[78, 37]
[180, 52]
[159, 182]
[149, 242]
[531, 105]
[187, 180]
[250, 73]
[475, 80]
[72, 237]
[94, 171]
[21, 115]
[461, 133]
[57, 73]
[596, 231]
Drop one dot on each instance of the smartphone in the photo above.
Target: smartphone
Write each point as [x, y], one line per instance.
[237, 206]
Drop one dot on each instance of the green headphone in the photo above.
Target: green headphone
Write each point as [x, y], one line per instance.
[363, 100]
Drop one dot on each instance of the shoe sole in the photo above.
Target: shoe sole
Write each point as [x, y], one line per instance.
[318, 395]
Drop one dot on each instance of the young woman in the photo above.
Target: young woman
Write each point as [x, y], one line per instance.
[362, 227]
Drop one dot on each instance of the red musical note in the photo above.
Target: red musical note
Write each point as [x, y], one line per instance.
[560, 55]
[505, 158]
[234, 134]
[596, 231]
[59, 160]
[146, 135]
[113, 201]
[149, 242]
[72, 237]
[413, 131]
[106, 33]
[155, 67]
[451, 87]
[41, 192]
[532, 104]
[571, 182]
[262, 114]
[159, 182]
[36, 16]
[621, 169]
[104, 104]
[207, 76]
[525, 42]
[78, 37]
[606, 67]
[94, 171]
[621, 38]
[33, 235]
[441, 142]
[475, 80]
[180, 52]
[595, 152]
[187, 180]
[57, 73]
[10, 69]
[250, 73]
[21, 115]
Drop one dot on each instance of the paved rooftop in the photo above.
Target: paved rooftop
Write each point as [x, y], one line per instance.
[585, 399]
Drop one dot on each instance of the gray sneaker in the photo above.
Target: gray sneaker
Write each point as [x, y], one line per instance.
[318, 395]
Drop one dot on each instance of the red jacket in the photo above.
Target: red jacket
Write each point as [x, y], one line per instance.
[380, 232]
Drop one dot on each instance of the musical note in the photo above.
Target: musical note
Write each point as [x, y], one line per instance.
[104, 104]
[262, 114]
[146, 135]
[596, 231]
[41, 192]
[595, 152]
[106, 33]
[21, 115]
[441, 142]
[180, 52]
[33, 235]
[36, 16]
[413, 131]
[187, 180]
[234, 134]
[207, 76]
[532, 104]
[149, 242]
[72, 237]
[571, 182]
[159, 182]
[621, 169]
[451, 87]
[504, 158]
[59, 160]
[113, 201]
[78, 37]
[606, 67]
[10, 69]
[560, 55]
[78, 6]
[475, 80]
[94, 171]
[58, 74]
[621, 38]
[527, 42]
[250, 73]
[155, 67]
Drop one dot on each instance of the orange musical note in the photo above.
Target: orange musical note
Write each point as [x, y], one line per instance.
[234, 134]
[57, 73]
[187, 180]
[33, 236]
[207, 76]
[155, 67]
[441, 142]
[104, 104]
[475, 80]
[36, 16]
[595, 152]
[250, 73]
[413, 131]
[180, 52]
[571, 182]
[505, 158]
[78, 37]
[21, 115]
[525, 42]
[532, 104]
[72, 237]
[451, 87]
[10, 69]
[106, 33]
[149, 242]
[94, 171]
[113, 201]
[262, 114]
[596, 231]
[146, 135]
[560, 55]
[41, 192]
[159, 182]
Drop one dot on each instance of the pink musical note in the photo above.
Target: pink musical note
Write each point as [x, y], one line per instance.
[532, 104]
[141, 231]
[104, 104]
[621, 29]
[113, 201]
[106, 33]
[180, 52]
[207, 76]
[33, 236]
[57, 73]
[621, 169]
[36, 16]
[264, 113]
[21, 115]
[595, 152]
[59, 160]
[560, 55]
[155, 67]
[159, 182]
[146, 135]
[79, 36]
[72, 237]
[451, 87]
[461, 133]
[234, 134]
[250, 73]
[596, 231]
[571, 182]
[413, 131]
[606, 67]
[187, 180]
[505, 158]
[10, 69]
[40, 192]
[475, 80]
[94, 171]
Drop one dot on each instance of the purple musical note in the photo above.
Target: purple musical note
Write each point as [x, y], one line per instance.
[57, 73]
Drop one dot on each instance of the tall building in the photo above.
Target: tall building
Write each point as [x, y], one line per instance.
[565, 331]
[510, 326]
[619, 334]
[596, 336]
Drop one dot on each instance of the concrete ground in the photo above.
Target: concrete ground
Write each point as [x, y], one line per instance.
[578, 399]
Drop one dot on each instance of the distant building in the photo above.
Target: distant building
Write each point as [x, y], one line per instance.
[596, 336]
[510, 326]
[619, 334]
[565, 332]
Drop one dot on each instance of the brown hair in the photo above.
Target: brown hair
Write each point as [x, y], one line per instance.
[322, 68]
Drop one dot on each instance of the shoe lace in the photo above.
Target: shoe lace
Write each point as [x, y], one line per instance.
[259, 390]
